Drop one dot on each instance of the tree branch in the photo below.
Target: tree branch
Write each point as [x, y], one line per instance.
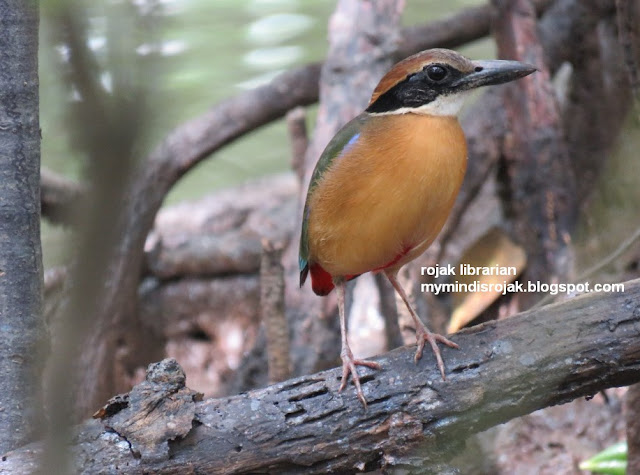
[464, 27]
[504, 369]
[59, 197]
[539, 182]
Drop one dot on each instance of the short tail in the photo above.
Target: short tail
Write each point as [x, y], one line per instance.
[321, 280]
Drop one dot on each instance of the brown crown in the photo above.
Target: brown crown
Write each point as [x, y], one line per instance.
[416, 63]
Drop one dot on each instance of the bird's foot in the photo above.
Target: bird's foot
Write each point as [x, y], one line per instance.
[423, 335]
[349, 364]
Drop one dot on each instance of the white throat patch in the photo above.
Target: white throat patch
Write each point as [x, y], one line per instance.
[449, 105]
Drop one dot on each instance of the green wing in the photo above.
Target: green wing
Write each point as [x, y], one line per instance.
[339, 144]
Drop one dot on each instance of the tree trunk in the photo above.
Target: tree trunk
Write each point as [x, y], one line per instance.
[539, 185]
[21, 323]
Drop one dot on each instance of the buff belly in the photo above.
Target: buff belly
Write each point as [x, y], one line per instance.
[384, 201]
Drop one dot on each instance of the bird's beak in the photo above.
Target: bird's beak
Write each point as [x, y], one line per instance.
[491, 72]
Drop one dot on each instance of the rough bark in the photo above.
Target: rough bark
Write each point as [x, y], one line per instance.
[414, 420]
[539, 184]
[21, 282]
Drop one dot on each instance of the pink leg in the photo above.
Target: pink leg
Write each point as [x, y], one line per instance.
[422, 332]
[349, 363]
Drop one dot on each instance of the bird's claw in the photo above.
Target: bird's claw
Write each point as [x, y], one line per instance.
[423, 335]
[349, 364]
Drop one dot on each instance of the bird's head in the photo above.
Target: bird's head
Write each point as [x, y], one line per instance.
[436, 82]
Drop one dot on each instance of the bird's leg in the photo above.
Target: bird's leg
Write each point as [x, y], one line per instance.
[349, 363]
[422, 332]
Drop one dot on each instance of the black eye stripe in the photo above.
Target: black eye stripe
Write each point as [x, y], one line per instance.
[416, 89]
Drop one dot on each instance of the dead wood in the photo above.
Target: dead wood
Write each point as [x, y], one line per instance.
[190, 305]
[156, 411]
[220, 234]
[415, 420]
[554, 156]
[272, 311]
[597, 69]
[539, 184]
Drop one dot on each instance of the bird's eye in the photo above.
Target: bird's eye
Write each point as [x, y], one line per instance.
[436, 73]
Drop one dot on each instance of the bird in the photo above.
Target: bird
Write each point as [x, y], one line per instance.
[385, 184]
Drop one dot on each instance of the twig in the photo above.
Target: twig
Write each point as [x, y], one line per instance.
[272, 311]
[626, 244]
[389, 312]
[297, 127]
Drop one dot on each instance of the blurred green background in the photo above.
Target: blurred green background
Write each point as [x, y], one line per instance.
[212, 50]
[209, 50]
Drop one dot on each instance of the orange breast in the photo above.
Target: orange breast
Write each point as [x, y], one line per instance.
[389, 196]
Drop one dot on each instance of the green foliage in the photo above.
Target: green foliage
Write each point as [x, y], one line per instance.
[611, 461]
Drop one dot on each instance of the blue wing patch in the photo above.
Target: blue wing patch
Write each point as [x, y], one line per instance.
[351, 142]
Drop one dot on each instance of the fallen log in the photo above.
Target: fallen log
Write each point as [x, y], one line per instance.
[504, 369]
